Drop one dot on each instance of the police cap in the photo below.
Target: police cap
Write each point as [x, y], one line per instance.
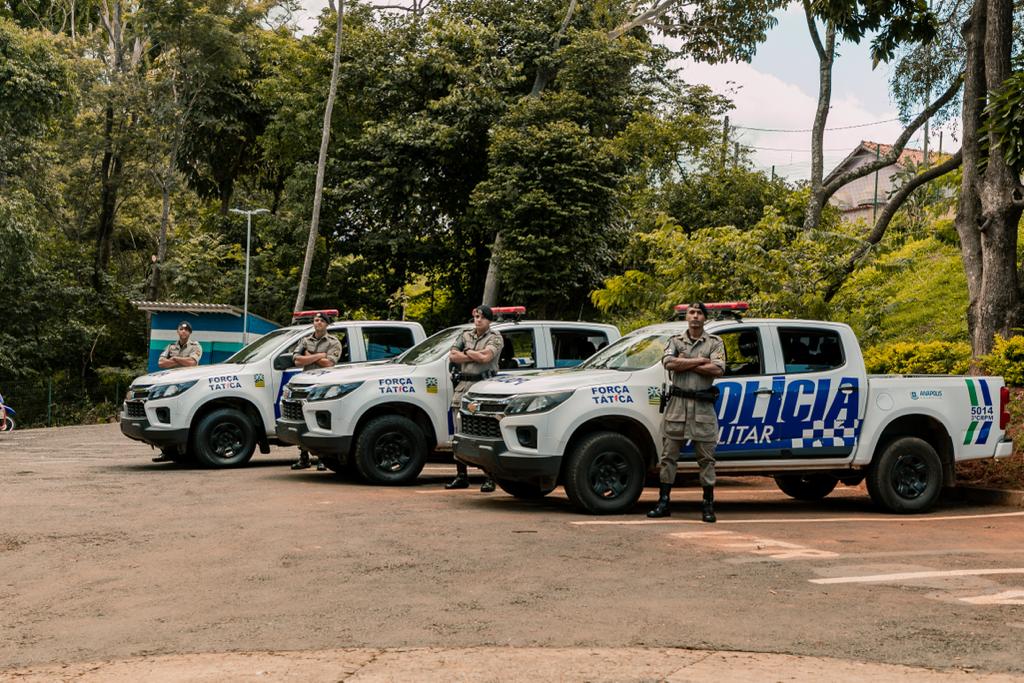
[485, 311]
[186, 324]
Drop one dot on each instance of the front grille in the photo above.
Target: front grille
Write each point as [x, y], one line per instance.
[475, 425]
[135, 409]
[292, 410]
[486, 403]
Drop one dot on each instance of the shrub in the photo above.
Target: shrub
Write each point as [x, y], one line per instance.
[919, 358]
[1006, 360]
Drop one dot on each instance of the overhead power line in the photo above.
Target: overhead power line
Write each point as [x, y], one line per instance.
[809, 130]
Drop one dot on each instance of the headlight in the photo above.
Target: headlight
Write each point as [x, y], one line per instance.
[168, 390]
[324, 392]
[536, 403]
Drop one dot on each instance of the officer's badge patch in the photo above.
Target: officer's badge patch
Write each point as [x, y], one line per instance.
[654, 396]
[431, 385]
[260, 382]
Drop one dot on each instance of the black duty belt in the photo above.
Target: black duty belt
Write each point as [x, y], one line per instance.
[709, 395]
[473, 376]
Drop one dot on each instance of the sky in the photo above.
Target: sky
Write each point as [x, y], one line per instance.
[778, 90]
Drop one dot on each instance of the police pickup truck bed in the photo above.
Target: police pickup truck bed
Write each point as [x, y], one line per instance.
[218, 414]
[381, 422]
[795, 403]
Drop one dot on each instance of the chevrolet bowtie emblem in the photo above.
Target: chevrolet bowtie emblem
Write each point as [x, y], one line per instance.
[473, 406]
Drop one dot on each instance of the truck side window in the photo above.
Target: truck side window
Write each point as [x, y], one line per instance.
[743, 353]
[385, 342]
[574, 346]
[519, 350]
[810, 350]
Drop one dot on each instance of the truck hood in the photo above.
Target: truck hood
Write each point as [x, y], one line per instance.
[189, 374]
[551, 381]
[359, 372]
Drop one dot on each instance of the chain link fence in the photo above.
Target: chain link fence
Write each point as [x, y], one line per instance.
[59, 401]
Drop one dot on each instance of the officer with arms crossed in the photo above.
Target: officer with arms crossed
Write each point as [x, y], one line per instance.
[693, 360]
[182, 353]
[476, 352]
[318, 350]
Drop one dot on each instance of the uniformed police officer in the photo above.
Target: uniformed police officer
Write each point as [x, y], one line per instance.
[182, 353]
[476, 353]
[693, 360]
[318, 350]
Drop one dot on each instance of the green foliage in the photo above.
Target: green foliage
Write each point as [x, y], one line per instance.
[1004, 120]
[774, 265]
[1006, 360]
[918, 358]
[918, 291]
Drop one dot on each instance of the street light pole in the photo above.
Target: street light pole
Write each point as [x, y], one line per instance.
[248, 236]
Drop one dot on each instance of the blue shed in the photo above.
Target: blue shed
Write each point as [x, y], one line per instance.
[217, 328]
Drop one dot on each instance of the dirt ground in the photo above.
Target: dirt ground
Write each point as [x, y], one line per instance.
[115, 568]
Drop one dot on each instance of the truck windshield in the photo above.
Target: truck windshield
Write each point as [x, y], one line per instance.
[630, 353]
[262, 347]
[431, 348]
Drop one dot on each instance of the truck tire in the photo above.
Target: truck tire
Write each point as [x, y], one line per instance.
[390, 449]
[523, 489]
[806, 486]
[906, 477]
[224, 438]
[605, 474]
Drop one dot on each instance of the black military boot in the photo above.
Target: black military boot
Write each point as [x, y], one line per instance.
[661, 509]
[461, 480]
[303, 462]
[707, 510]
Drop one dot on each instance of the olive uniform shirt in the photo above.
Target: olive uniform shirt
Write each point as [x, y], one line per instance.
[469, 340]
[191, 349]
[689, 417]
[328, 344]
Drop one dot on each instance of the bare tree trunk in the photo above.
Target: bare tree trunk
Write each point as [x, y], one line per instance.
[826, 59]
[161, 245]
[325, 139]
[491, 284]
[110, 180]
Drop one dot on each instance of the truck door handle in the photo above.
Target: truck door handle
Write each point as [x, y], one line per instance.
[848, 389]
[764, 392]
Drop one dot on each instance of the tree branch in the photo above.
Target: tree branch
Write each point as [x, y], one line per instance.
[885, 217]
[833, 182]
[656, 10]
[813, 29]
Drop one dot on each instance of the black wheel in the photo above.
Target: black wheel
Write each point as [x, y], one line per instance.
[523, 489]
[806, 486]
[605, 474]
[906, 477]
[224, 438]
[390, 449]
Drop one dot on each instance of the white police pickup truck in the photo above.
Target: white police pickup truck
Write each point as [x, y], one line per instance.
[795, 402]
[218, 414]
[381, 422]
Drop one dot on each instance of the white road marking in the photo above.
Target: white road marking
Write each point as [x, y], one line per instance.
[908, 576]
[1014, 597]
[799, 520]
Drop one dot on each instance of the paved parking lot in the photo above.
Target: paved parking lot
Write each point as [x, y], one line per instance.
[106, 556]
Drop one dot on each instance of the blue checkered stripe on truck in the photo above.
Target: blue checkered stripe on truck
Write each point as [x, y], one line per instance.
[820, 436]
[982, 412]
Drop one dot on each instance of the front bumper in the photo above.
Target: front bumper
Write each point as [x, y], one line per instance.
[298, 434]
[139, 429]
[492, 456]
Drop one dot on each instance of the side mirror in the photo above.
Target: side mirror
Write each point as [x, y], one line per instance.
[283, 362]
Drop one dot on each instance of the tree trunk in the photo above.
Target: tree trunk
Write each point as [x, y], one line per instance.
[988, 216]
[161, 244]
[826, 59]
[318, 191]
[491, 283]
[110, 180]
